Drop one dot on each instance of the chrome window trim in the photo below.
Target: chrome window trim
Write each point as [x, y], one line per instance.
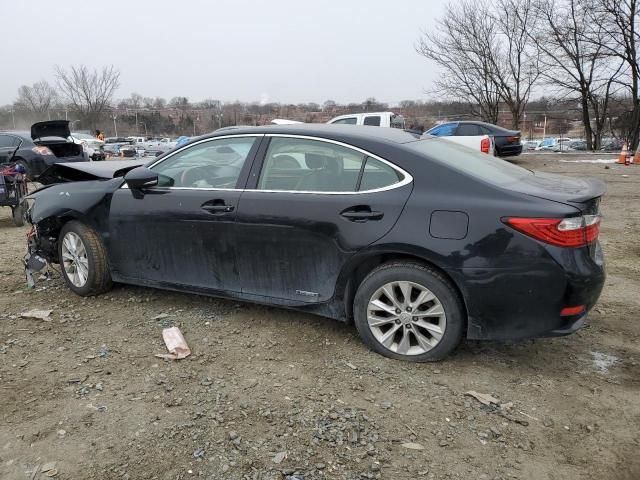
[210, 139]
[405, 181]
[401, 183]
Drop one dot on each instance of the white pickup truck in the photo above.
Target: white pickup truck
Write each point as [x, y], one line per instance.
[482, 143]
[375, 119]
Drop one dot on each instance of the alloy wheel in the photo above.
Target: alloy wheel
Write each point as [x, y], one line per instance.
[74, 259]
[406, 318]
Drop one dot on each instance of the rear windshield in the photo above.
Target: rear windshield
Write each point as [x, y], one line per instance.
[480, 165]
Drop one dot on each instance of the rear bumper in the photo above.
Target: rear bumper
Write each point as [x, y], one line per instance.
[525, 301]
[509, 150]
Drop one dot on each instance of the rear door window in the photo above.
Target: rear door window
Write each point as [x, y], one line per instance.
[373, 120]
[377, 174]
[303, 165]
[468, 130]
[296, 164]
[6, 141]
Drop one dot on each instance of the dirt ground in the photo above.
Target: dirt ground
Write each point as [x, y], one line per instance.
[275, 394]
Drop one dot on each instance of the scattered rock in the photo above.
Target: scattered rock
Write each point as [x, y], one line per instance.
[483, 398]
[37, 314]
[279, 457]
[412, 446]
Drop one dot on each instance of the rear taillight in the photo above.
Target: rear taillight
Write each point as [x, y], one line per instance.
[42, 150]
[567, 232]
[513, 140]
[485, 145]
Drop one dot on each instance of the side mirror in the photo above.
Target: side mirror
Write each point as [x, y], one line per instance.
[141, 177]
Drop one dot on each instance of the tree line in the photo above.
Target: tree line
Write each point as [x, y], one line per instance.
[501, 52]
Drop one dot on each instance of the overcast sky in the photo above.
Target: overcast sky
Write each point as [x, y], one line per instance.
[269, 50]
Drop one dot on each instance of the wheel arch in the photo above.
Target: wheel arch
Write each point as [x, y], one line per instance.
[354, 272]
[50, 226]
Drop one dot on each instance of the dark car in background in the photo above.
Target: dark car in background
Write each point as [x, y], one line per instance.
[507, 142]
[47, 143]
[418, 241]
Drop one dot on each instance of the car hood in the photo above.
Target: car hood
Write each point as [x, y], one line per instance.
[50, 128]
[82, 171]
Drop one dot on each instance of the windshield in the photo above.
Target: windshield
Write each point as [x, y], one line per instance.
[480, 165]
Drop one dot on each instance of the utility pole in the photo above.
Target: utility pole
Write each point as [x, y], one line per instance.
[13, 118]
[544, 128]
[137, 129]
[115, 126]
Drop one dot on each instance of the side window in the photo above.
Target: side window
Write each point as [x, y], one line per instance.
[297, 164]
[6, 141]
[445, 130]
[212, 164]
[468, 130]
[373, 120]
[346, 121]
[377, 174]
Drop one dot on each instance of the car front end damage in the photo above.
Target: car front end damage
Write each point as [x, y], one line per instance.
[79, 191]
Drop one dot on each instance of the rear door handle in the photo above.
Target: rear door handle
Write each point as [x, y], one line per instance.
[217, 206]
[361, 214]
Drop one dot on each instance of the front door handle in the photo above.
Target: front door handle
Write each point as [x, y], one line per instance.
[217, 206]
[361, 213]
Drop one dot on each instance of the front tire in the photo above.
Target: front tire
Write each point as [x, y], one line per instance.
[408, 311]
[83, 259]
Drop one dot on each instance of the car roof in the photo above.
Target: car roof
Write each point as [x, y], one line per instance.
[17, 133]
[347, 133]
[490, 126]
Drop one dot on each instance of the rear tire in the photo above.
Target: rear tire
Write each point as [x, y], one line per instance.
[83, 260]
[408, 311]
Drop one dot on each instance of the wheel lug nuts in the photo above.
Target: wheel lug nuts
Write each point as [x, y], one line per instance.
[398, 321]
[398, 310]
[409, 326]
[408, 309]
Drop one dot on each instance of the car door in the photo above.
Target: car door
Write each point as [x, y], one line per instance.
[180, 232]
[310, 204]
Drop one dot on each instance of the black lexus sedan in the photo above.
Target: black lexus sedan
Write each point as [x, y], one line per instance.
[419, 242]
[507, 142]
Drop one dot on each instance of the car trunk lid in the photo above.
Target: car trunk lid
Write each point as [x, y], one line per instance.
[581, 193]
[50, 128]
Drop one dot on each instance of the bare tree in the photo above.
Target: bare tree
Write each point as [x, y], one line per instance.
[517, 67]
[575, 60]
[620, 19]
[485, 55]
[88, 91]
[38, 98]
[461, 45]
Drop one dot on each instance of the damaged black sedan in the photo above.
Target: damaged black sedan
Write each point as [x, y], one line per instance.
[419, 242]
